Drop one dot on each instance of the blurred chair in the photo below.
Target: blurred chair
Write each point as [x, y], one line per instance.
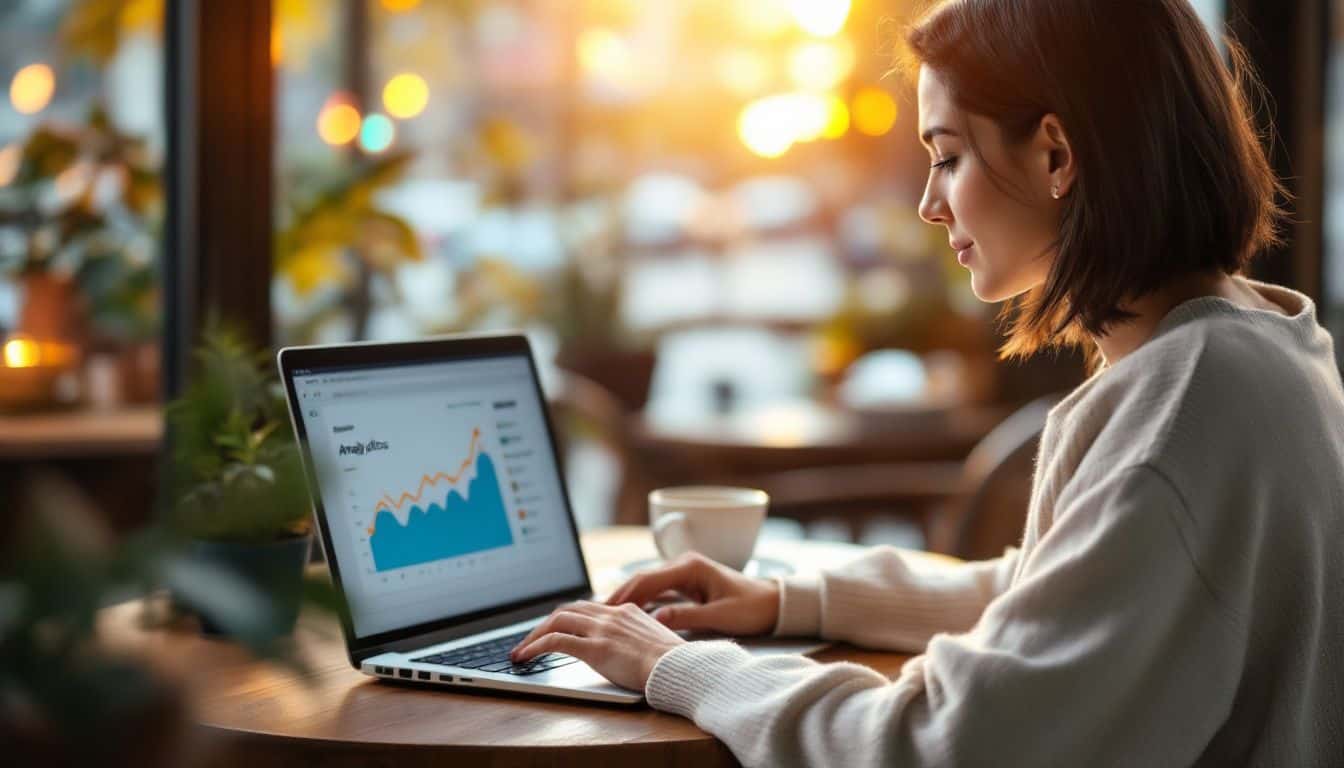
[583, 408]
[971, 509]
[624, 374]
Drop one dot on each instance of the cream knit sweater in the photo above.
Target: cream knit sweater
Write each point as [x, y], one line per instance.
[1177, 597]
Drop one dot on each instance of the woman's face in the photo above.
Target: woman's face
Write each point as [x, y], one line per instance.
[1004, 240]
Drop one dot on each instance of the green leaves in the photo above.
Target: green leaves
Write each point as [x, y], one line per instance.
[341, 222]
[236, 468]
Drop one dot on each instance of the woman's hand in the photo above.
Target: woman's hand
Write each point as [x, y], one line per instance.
[723, 600]
[621, 642]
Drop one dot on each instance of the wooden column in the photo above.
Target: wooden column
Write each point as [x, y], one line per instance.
[1289, 43]
[220, 94]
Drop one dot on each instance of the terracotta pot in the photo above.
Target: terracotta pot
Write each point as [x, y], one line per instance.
[52, 308]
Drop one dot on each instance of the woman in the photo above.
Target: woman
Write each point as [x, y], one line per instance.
[1178, 594]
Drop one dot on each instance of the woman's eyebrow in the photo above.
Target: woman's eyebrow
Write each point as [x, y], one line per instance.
[936, 130]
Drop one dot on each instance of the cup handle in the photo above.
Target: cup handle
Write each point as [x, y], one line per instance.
[669, 534]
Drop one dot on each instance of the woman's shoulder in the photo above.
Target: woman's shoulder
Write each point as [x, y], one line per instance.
[1214, 378]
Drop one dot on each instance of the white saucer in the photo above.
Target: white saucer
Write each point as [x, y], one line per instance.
[757, 567]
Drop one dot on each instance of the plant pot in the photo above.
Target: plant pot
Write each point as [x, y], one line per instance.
[273, 568]
[51, 308]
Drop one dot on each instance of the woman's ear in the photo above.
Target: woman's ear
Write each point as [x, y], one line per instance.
[1057, 167]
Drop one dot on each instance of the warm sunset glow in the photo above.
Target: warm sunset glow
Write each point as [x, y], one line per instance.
[399, 6]
[822, 18]
[810, 114]
[837, 118]
[406, 95]
[764, 128]
[762, 18]
[605, 55]
[31, 89]
[770, 126]
[821, 65]
[873, 111]
[744, 72]
[377, 133]
[21, 353]
[338, 122]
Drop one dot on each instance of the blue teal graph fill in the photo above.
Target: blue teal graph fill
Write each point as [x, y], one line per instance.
[458, 526]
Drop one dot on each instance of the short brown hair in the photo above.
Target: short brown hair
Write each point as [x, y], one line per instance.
[1172, 177]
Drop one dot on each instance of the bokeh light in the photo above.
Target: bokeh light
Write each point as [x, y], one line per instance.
[605, 55]
[338, 122]
[31, 89]
[762, 18]
[770, 126]
[399, 6]
[873, 111]
[377, 133]
[21, 353]
[744, 72]
[837, 118]
[821, 64]
[406, 95]
[822, 18]
[810, 113]
[764, 128]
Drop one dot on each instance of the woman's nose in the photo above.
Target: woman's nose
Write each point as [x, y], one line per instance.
[932, 208]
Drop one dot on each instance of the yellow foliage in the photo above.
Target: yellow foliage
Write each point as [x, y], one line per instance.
[312, 267]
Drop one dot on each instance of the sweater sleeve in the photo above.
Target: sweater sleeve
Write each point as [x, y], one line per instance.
[881, 600]
[1109, 647]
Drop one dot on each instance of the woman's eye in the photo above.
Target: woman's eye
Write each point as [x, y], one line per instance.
[949, 163]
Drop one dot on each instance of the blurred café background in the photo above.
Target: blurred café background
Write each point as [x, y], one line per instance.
[702, 212]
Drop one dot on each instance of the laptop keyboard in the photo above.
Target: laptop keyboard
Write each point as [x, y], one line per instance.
[493, 656]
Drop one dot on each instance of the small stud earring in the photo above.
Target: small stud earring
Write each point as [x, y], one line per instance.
[1054, 191]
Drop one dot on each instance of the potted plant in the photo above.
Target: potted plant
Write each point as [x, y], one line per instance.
[239, 494]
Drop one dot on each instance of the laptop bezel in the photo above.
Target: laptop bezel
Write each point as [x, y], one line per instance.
[364, 355]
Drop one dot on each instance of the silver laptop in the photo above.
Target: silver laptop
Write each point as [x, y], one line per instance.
[443, 511]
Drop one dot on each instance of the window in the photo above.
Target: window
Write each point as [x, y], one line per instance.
[81, 142]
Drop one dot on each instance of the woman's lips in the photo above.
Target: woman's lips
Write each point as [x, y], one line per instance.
[964, 254]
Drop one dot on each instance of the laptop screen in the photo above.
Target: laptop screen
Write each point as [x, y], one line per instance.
[440, 487]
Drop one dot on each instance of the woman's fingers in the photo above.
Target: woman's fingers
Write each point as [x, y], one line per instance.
[585, 649]
[682, 576]
[570, 618]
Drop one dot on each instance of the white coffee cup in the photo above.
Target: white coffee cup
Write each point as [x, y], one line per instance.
[718, 521]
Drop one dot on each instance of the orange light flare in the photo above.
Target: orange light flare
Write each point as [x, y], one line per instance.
[873, 111]
[338, 122]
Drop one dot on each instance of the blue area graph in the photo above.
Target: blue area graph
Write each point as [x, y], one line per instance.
[458, 526]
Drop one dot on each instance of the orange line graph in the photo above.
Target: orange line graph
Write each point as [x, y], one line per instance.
[428, 480]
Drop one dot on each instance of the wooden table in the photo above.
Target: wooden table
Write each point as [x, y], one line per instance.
[111, 455]
[256, 714]
[81, 433]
